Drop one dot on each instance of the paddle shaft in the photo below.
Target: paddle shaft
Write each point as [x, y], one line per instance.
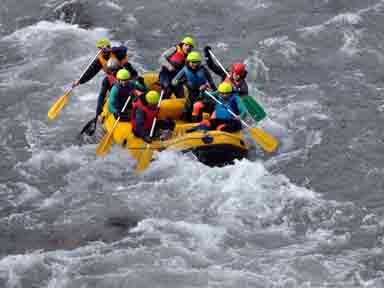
[122, 111]
[147, 153]
[154, 120]
[89, 65]
[229, 110]
[68, 92]
[218, 62]
[266, 141]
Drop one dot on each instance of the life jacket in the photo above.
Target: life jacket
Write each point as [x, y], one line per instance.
[236, 85]
[123, 92]
[103, 61]
[177, 59]
[221, 109]
[195, 78]
[111, 79]
[150, 114]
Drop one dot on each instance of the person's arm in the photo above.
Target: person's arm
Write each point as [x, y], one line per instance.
[101, 99]
[180, 77]
[119, 51]
[209, 79]
[139, 86]
[91, 72]
[112, 99]
[243, 88]
[131, 70]
[212, 65]
[163, 59]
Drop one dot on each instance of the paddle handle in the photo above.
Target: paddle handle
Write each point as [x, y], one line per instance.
[218, 62]
[229, 110]
[155, 119]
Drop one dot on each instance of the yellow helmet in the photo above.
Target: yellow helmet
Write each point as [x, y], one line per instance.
[152, 97]
[188, 41]
[123, 74]
[103, 42]
[225, 88]
[194, 57]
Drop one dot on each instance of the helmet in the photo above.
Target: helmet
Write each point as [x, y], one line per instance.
[238, 68]
[194, 57]
[103, 42]
[123, 74]
[113, 65]
[188, 41]
[152, 97]
[225, 88]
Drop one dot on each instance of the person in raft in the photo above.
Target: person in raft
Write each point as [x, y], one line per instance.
[106, 52]
[171, 62]
[197, 79]
[124, 88]
[237, 73]
[221, 118]
[144, 111]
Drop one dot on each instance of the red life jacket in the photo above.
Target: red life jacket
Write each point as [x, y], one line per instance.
[150, 114]
[178, 58]
[233, 82]
[112, 55]
[111, 79]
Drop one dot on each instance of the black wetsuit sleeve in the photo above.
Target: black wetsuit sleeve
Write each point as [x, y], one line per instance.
[91, 72]
[105, 86]
[243, 88]
[214, 67]
[209, 78]
[131, 70]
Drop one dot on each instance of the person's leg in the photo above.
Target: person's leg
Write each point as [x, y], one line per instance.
[193, 96]
[215, 123]
[178, 90]
[198, 108]
[230, 126]
[165, 82]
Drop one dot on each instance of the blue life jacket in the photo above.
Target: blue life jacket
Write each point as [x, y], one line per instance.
[195, 78]
[221, 109]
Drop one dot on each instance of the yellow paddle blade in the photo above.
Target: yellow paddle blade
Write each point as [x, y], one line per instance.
[135, 147]
[105, 144]
[58, 105]
[265, 140]
[145, 159]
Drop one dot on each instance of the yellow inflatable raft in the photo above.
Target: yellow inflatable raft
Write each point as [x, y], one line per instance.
[213, 148]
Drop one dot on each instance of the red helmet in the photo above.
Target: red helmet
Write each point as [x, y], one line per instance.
[239, 69]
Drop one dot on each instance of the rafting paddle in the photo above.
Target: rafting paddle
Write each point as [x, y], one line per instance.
[90, 127]
[146, 155]
[60, 103]
[254, 109]
[106, 142]
[265, 140]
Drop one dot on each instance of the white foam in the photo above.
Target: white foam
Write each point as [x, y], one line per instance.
[345, 19]
[198, 235]
[283, 45]
[110, 4]
[351, 42]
